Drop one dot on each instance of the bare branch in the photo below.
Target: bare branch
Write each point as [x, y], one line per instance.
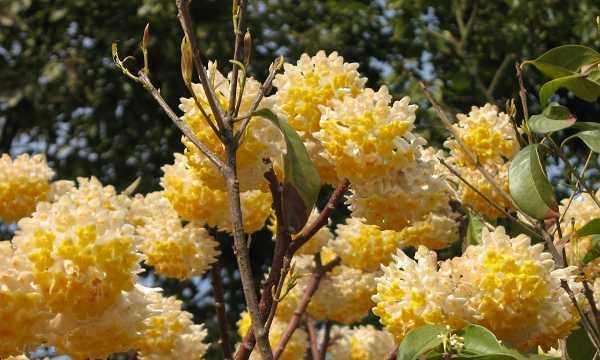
[311, 328]
[240, 14]
[217, 284]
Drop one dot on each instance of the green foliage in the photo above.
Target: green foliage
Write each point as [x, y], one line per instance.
[301, 184]
[579, 346]
[554, 117]
[590, 137]
[529, 186]
[421, 341]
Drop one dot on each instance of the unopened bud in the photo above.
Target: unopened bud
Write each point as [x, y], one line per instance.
[186, 61]
[146, 36]
[247, 47]
[598, 22]
[511, 108]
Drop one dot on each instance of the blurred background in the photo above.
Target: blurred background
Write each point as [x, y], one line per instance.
[61, 95]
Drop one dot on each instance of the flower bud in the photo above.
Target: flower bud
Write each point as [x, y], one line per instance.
[247, 47]
[186, 61]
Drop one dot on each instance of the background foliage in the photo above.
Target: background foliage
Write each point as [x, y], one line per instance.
[60, 93]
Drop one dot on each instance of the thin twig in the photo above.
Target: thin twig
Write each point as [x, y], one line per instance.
[240, 14]
[217, 284]
[311, 328]
[523, 96]
[498, 74]
[316, 276]
[326, 338]
[185, 129]
[264, 89]
[322, 219]
[183, 14]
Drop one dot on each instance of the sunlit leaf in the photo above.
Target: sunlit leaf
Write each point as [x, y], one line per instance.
[420, 341]
[590, 137]
[555, 117]
[301, 182]
[529, 186]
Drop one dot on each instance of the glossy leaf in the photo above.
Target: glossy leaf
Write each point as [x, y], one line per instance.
[420, 341]
[590, 137]
[565, 60]
[579, 84]
[529, 186]
[301, 184]
[555, 117]
[579, 346]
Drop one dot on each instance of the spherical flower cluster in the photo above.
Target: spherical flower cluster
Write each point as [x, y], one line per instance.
[24, 182]
[353, 289]
[171, 334]
[364, 247]
[511, 287]
[23, 312]
[412, 293]
[434, 231]
[262, 139]
[366, 138]
[487, 133]
[315, 243]
[118, 329]
[504, 284]
[469, 197]
[195, 202]
[172, 249]
[303, 92]
[296, 346]
[81, 249]
[361, 343]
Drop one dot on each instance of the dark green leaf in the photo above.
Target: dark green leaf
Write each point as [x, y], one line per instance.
[420, 341]
[565, 60]
[584, 125]
[555, 117]
[301, 182]
[529, 186]
[474, 229]
[579, 346]
[591, 228]
[594, 252]
[579, 84]
[590, 137]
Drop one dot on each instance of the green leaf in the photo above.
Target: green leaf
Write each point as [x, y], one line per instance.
[579, 346]
[474, 229]
[565, 60]
[591, 228]
[420, 341]
[555, 117]
[301, 184]
[479, 340]
[594, 252]
[590, 137]
[585, 125]
[579, 84]
[529, 186]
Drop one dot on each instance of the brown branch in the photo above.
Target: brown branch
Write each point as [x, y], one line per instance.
[185, 129]
[311, 328]
[309, 291]
[322, 220]
[523, 96]
[237, 55]
[326, 338]
[183, 14]
[264, 89]
[393, 355]
[217, 284]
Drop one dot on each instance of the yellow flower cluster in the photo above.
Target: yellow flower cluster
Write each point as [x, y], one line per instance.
[81, 249]
[172, 249]
[171, 334]
[23, 313]
[296, 346]
[195, 202]
[24, 182]
[364, 247]
[261, 140]
[305, 89]
[118, 329]
[489, 136]
[315, 243]
[366, 138]
[360, 343]
[504, 284]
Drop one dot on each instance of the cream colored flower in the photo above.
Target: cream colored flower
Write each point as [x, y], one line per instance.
[23, 311]
[470, 198]
[24, 182]
[262, 139]
[196, 202]
[416, 292]
[435, 231]
[81, 249]
[510, 287]
[171, 334]
[118, 329]
[487, 133]
[361, 343]
[364, 247]
[366, 138]
[296, 346]
[172, 249]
